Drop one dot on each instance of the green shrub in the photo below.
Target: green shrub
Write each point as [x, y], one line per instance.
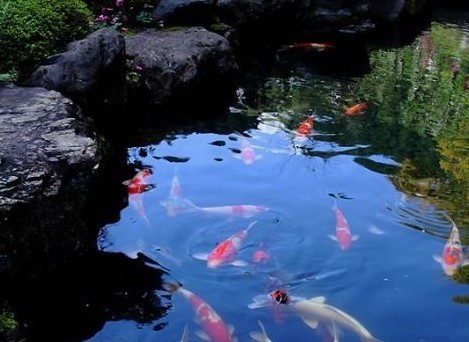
[31, 30]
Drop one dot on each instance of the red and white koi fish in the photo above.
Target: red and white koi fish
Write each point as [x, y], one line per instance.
[260, 336]
[225, 252]
[244, 210]
[311, 46]
[343, 235]
[247, 154]
[214, 329]
[357, 109]
[135, 187]
[452, 256]
[313, 311]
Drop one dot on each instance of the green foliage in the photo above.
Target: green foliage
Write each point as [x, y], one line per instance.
[31, 30]
[7, 323]
[462, 275]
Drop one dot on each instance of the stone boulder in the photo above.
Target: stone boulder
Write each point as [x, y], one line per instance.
[47, 157]
[91, 72]
[170, 65]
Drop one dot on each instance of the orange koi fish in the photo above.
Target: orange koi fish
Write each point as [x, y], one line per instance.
[311, 46]
[452, 256]
[343, 235]
[225, 252]
[214, 329]
[135, 187]
[356, 109]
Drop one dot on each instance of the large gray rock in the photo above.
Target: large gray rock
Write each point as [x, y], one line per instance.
[47, 157]
[91, 71]
[172, 64]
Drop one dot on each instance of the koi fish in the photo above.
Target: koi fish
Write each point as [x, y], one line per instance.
[174, 203]
[275, 300]
[261, 255]
[260, 336]
[452, 256]
[135, 187]
[314, 310]
[311, 46]
[247, 154]
[214, 329]
[244, 210]
[305, 127]
[356, 109]
[138, 183]
[225, 252]
[343, 235]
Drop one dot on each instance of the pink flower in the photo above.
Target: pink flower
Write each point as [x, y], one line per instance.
[102, 18]
[119, 3]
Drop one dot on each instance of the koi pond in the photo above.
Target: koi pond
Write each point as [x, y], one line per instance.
[317, 209]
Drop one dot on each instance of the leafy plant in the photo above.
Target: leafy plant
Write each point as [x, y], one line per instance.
[31, 30]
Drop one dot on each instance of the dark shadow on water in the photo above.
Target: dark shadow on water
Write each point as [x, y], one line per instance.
[75, 302]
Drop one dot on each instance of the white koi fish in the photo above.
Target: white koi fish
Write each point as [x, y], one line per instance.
[214, 329]
[452, 256]
[260, 336]
[244, 210]
[314, 310]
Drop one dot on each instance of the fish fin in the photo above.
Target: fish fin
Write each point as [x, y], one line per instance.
[239, 263]
[185, 334]
[201, 256]
[313, 324]
[251, 225]
[318, 299]
[257, 336]
[437, 258]
[231, 329]
[355, 237]
[332, 237]
[259, 301]
[202, 335]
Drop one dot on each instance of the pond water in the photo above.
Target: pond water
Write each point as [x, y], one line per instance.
[396, 169]
[336, 174]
